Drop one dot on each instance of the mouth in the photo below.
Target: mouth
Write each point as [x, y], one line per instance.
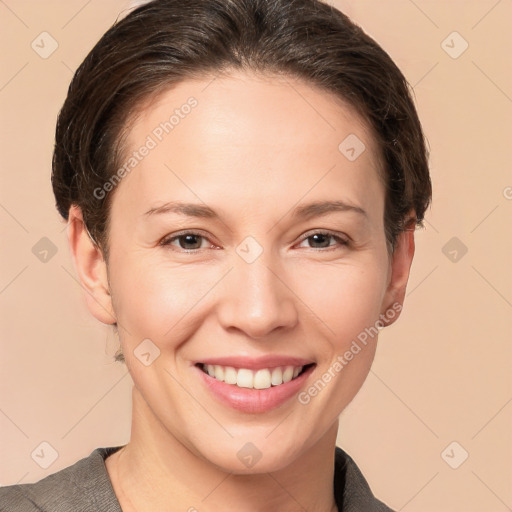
[262, 378]
[254, 390]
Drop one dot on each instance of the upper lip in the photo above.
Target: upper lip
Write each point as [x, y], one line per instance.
[256, 363]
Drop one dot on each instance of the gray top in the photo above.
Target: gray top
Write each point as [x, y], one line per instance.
[86, 487]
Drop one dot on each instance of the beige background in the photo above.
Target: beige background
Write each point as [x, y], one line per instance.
[441, 374]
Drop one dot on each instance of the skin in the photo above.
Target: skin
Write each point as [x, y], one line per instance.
[253, 149]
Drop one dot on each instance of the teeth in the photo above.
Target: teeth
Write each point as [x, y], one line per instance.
[230, 376]
[245, 378]
[277, 377]
[219, 372]
[259, 379]
[262, 379]
[288, 374]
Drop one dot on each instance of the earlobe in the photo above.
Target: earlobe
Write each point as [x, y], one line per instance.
[90, 267]
[399, 274]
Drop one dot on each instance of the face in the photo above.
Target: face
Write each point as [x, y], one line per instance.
[248, 274]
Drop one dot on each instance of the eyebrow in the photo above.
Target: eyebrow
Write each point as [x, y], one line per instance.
[306, 211]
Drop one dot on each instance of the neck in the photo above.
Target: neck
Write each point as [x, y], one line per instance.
[156, 472]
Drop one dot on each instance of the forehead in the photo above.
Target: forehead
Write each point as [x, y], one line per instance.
[254, 106]
[262, 135]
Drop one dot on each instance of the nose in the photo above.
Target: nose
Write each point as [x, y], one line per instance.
[257, 300]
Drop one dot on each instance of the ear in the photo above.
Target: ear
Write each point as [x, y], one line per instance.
[90, 267]
[400, 266]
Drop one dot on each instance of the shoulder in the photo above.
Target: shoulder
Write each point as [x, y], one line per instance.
[351, 488]
[81, 487]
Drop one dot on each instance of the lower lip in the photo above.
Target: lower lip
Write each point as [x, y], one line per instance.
[254, 400]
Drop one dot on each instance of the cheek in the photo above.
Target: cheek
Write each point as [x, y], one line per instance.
[155, 301]
[346, 298]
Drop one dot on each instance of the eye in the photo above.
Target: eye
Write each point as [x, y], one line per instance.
[188, 241]
[322, 237]
[192, 241]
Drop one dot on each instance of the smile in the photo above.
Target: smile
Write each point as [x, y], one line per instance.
[259, 389]
[263, 378]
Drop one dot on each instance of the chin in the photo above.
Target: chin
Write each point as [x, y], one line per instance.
[248, 459]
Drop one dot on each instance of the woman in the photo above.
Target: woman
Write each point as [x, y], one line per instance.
[241, 181]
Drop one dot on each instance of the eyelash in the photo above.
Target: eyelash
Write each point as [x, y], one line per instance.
[166, 242]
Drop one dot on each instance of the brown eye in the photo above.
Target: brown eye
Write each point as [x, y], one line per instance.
[187, 241]
[321, 240]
